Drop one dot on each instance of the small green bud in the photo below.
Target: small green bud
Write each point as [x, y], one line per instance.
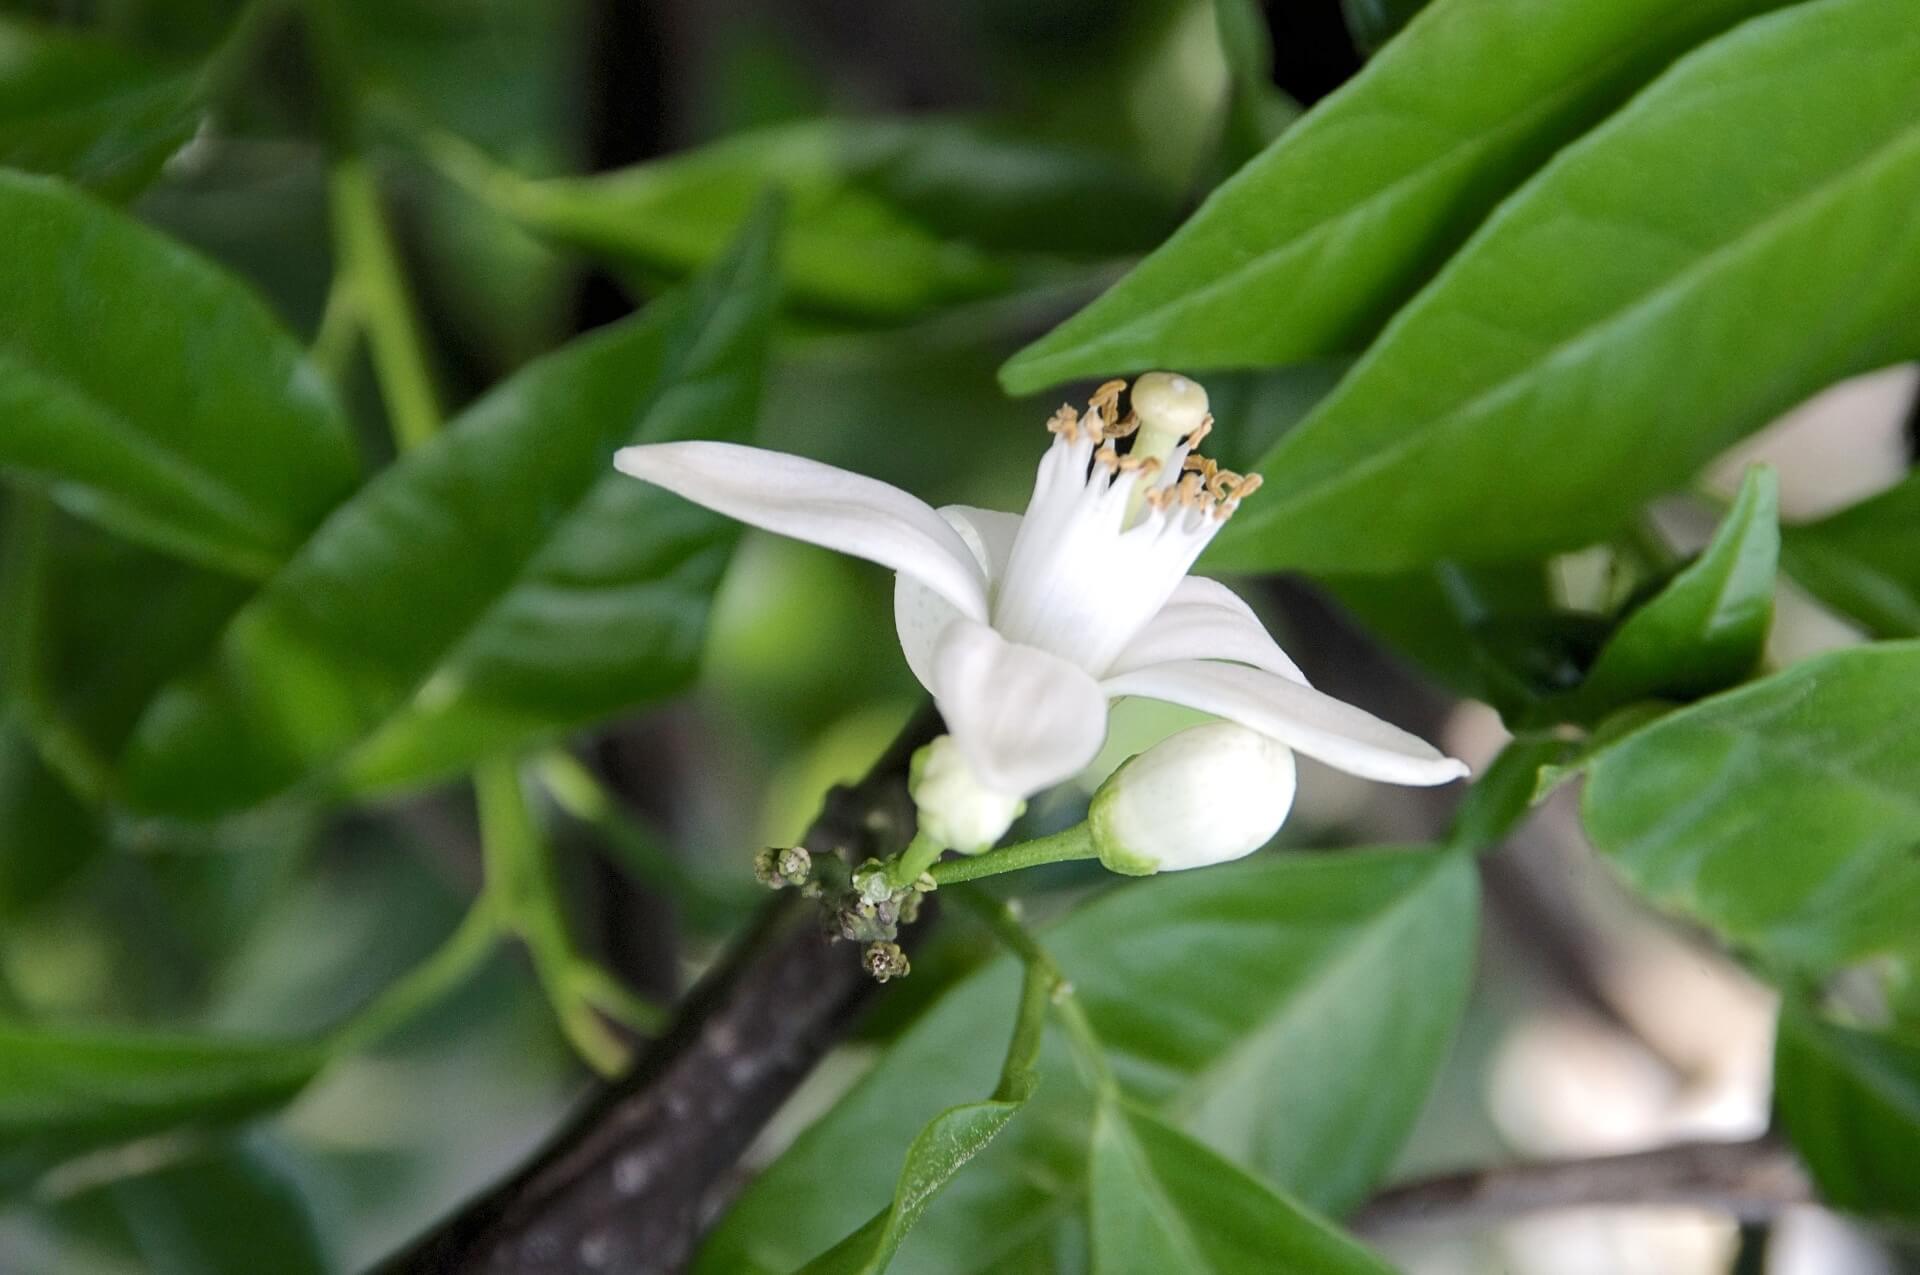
[778, 867]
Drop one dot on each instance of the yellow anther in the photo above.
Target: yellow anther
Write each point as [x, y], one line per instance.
[1124, 427]
[1065, 422]
[1106, 400]
[1200, 431]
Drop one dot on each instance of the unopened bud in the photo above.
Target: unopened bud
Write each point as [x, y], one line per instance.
[1206, 795]
[956, 810]
[886, 961]
[871, 882]
[777, 867]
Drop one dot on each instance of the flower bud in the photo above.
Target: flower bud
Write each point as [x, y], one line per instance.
[1206, 795]
[956, 810]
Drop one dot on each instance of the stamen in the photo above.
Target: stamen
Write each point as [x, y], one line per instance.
[1200, 431]
[1222, 483]
[1065, 422]
[1106, 400]
[1124, 428]
[1107, 457]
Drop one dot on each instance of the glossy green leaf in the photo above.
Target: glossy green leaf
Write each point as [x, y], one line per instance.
[81, 108]
[1161, 1201]
[1309, 248]
[1596, 342]
[495, 586]
[949, 1141]
[64, 1092]
[1706, 628]
[1864, 561]
[1783, 814]
[1210, 990]
[153, 394]
[886, 218]
[1850, 1101]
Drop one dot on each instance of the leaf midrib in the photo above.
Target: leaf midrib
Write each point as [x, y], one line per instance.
[1572, 348]
[232, 507]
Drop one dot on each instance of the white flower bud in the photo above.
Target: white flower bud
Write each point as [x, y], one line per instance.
[956, 810]
[1206, 795]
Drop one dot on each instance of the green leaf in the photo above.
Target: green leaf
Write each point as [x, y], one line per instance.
[1503, 793]
[1599, 339]
[1160, 1201]
[1705, 630]
[886, 218]
[497, 586]
[1373, 22]
[65, 1092]
[1864, 561]
[1211, 991]
[1458, 623]
[1850, 1101]
[949, 1141]
[78, 107]
[226, 1209]
[1309, 248]
[1783, 814]
[152, 393]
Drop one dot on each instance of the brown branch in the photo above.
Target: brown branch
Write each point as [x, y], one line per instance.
[630, 1182]
[1751, 1181]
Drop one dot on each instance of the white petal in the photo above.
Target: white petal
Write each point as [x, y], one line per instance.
[1205, 620]
[1024, 719]
[920, 615]
[1300, 717]
[822, 505]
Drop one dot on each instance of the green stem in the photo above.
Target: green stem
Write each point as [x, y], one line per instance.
[519, 874]
[451, 964]
[919, 856]
[340, 327]
[579, 792]
[23, 609]
[233, 57]
[1089, 1051]
[371, 263]
[1073, 843]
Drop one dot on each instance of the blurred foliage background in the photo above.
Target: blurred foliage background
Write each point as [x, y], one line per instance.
[959, 178]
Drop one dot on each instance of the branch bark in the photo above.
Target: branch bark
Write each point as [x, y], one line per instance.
[632, 1180]
[1751, 1181]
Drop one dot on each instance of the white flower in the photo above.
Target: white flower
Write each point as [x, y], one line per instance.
[1024, 627]
[1206, 795]
[956, 811]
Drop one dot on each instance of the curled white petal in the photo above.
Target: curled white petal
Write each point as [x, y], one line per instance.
[920, 615]
[1205, 620]
[1207, 795]
[809, 501]
[1023, 718]
[1322, 727]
